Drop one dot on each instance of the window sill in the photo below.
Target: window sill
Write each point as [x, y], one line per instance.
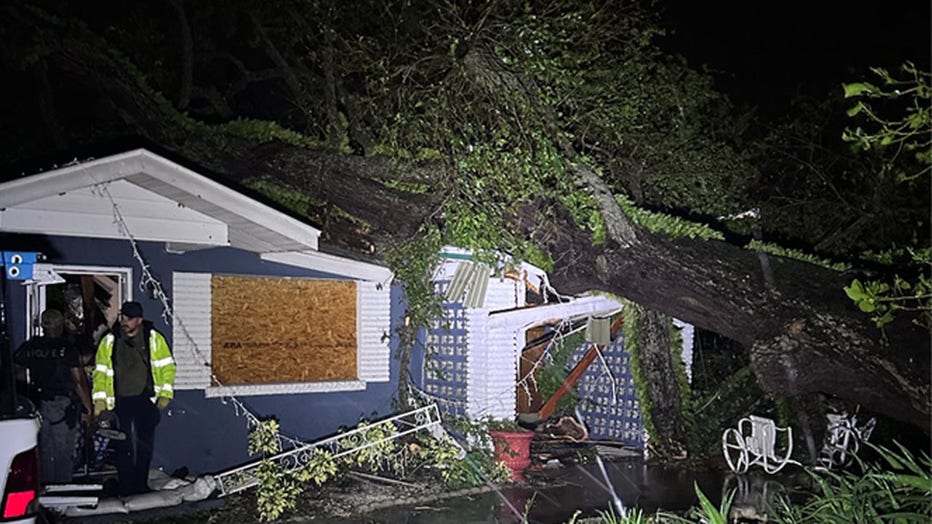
[284, 389]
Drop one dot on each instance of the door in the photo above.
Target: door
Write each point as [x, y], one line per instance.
[88, 297]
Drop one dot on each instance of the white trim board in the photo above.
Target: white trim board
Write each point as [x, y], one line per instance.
[332, 264]
[284, 389]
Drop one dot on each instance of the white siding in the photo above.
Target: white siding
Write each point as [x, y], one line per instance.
[503, 372]
[373, 325]
[492, 366]
[477, 363]
[191, 329]
[502, 293]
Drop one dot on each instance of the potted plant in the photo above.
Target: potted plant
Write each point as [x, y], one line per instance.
[512, 445]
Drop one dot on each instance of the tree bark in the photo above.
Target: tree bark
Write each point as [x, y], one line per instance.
[804, 335]
[661, 392]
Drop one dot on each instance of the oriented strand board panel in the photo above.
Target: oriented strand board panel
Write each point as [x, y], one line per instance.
[280, 330]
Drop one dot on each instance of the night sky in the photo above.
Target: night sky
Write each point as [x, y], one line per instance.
[763, 53]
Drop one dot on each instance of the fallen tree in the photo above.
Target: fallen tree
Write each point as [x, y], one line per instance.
[466, 142]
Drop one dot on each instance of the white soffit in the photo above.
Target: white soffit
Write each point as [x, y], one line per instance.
[86, 212]
[253, 226]
[333, 264]
[588, 305]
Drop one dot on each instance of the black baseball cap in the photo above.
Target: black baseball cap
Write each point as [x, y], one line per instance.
[131, 310]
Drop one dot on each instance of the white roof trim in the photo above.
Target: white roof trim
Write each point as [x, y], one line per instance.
[143, 162]
[332, 264]
[588, 305]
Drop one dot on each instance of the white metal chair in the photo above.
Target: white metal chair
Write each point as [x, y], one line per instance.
[843, 440]
[752, 443]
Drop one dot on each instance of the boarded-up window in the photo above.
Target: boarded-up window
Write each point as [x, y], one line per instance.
[278, 330]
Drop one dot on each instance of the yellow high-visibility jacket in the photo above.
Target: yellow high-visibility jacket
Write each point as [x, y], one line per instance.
[160, 362]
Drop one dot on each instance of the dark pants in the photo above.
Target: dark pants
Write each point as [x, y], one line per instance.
[56, 441]
[138, 418]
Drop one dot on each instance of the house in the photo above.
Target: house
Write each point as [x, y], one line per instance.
[261, 318]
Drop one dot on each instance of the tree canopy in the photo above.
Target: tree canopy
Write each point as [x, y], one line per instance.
[557, 131]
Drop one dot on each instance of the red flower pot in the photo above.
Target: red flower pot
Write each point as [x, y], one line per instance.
[513, 449]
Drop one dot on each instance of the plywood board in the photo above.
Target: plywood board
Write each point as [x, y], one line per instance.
[267, 330]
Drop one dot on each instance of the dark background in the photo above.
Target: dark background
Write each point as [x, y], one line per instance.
[765, 53]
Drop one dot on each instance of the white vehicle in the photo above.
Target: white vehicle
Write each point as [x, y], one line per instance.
[19, 460]
[19, 423]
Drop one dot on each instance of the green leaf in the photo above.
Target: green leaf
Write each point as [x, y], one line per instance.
[884, 319]
[856, 109]
[856, 291]
[859, 88]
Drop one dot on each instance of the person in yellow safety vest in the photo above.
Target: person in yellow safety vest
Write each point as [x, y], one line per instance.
[134, 377]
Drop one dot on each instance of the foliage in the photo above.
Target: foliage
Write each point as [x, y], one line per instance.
[500, 424]
[907, 132]
[475, 468]
[669, 225]
[278, 490]
[627, 516]
[413, 261]
[735, 396]
[288, 197]
[500, 99]
[687, 409]
[898, 491]
[554, 372]
[781, 251]
[884, 300]
[319, 469]
[263, 439]
[706, 513]
[630, 330]
[376, 448]
[899, 114]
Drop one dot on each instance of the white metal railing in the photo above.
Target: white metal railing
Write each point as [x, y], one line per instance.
[426, 418]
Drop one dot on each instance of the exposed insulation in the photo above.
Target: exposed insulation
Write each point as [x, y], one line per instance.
[279, 330]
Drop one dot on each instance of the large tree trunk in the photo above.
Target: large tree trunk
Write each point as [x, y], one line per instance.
[660, 390]
[804, 334]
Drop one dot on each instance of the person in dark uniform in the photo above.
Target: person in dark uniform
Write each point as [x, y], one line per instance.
[55, 377]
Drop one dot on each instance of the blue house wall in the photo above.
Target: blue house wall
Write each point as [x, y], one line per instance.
[208, 435]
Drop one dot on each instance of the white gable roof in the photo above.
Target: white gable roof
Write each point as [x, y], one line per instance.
[162, 201]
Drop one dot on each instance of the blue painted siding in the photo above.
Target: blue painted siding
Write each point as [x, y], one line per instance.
[610, 414]
[207, 435]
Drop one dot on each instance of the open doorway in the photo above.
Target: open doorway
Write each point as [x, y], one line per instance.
[528, 397]
[88, 297]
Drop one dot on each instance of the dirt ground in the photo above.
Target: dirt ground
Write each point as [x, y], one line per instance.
[347, 499]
